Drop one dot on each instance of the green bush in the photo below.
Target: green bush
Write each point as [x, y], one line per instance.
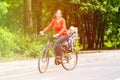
[28, 46]
[16, 43]
[7, 43]
[33, 46]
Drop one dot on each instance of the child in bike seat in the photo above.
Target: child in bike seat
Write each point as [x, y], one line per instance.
[73, 33]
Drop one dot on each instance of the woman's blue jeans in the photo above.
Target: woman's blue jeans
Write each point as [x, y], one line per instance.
[57, 45]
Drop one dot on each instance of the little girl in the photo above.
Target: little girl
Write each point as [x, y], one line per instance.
[73, 33]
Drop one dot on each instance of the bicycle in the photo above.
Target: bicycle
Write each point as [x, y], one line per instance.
[69, 57]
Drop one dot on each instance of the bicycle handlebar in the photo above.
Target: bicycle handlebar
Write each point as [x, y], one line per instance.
[43, 34]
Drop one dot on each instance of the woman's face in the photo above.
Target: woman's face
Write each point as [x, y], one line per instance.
[58, 14]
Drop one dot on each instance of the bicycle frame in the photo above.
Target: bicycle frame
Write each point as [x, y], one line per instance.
[50, 45]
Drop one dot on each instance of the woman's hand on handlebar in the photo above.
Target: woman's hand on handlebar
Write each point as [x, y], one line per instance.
[42, 33]
[56, 35]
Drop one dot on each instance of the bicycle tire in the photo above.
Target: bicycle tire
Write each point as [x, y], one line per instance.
[71, 56]
[43, 60]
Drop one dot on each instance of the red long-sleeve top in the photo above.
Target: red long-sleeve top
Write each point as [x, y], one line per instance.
[59, 27]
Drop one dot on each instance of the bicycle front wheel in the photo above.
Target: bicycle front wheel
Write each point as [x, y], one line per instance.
[43, 60]
[69, 60]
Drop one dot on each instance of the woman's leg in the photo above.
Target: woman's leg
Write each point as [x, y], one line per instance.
[57, 45]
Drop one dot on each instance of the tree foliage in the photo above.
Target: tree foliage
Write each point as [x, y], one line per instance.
[97, 22]
[3, 8]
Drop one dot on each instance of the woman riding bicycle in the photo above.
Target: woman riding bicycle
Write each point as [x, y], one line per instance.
[59, 26]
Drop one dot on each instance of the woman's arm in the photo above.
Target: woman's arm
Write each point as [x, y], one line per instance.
[48, 27]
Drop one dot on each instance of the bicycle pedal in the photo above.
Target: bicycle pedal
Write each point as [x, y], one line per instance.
[57, 62]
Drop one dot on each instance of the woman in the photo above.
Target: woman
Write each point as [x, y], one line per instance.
[59, 26]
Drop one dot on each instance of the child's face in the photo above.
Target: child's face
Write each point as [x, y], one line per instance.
[71, 29]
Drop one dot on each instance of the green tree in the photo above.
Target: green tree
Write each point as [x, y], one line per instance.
[3, 10]
[14, 17]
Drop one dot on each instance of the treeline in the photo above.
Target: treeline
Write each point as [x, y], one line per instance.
[97, 20]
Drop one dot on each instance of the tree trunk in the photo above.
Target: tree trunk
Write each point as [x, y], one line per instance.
[37, 8]
[27, 15]
[102, 34]
[94, 28]
[88, 29]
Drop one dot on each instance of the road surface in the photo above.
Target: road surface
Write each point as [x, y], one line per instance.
[98, 66]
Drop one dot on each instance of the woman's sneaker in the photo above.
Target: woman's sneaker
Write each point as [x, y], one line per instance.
[58, 60]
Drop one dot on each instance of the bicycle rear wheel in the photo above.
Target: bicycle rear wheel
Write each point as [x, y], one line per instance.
[69, 60]
[43, 60]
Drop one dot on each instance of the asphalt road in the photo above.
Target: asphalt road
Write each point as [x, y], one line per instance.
[87, 69]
